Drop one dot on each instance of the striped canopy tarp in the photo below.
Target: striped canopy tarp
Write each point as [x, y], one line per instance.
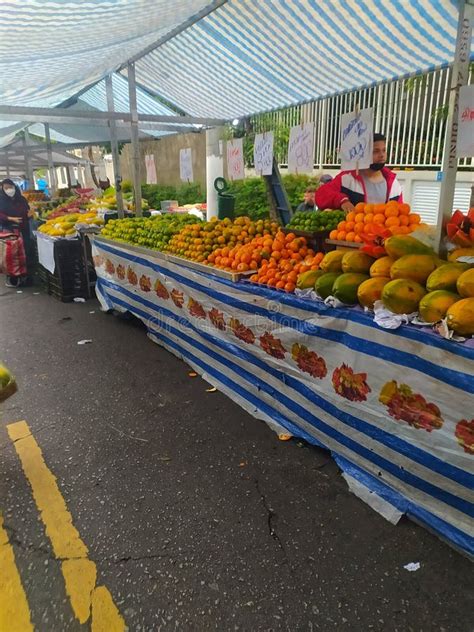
[243, 57]
[252, 56]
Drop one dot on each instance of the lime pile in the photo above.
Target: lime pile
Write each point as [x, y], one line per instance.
[151, 232]
[316, 221]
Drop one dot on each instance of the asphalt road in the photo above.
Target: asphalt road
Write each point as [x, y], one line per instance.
[195, 515]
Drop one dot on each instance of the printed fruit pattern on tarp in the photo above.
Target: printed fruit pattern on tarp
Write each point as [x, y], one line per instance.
[352, 386]
[309, 361]
[405, 405]
[465, 435]
[145, 283]
[196, 309]
[241, 331]
[273, 346]
[161, 290]
[217, 319]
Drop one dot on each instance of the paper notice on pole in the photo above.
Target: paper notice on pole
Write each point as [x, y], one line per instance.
[235, 159]
[150, 169]
[186, 164]
[263, 154]
[301, 149]
[46, 252]
[357, 135]
[465, 148]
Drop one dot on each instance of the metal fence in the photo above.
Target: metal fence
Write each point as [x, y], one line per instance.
[411, 113]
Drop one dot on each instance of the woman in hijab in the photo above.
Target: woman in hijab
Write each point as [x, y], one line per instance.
[14, 217]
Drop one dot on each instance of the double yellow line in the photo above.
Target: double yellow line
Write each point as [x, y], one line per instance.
[90, 602]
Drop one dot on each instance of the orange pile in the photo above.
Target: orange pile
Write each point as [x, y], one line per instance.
[392, 215]
[288, 256]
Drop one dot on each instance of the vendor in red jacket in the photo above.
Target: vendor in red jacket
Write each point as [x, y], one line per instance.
[375, 185]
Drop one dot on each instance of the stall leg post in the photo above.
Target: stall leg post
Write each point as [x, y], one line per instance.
[114, 145]
[7, 164]
[132, 94]
[51, 169]
[214, 167]
[28, 167]
[459, 78]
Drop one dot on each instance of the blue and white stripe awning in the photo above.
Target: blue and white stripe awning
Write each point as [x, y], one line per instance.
[244, 57]
[252, 56]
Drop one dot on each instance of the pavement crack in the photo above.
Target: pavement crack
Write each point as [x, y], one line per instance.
[139, 558]
[270, 517]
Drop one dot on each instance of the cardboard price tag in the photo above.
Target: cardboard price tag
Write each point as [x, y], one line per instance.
[301, 149]
[235, 159]
[186, 164]
[263, 153]
[357, 137]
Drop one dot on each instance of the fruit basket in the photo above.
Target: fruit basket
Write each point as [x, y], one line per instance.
[317, 240]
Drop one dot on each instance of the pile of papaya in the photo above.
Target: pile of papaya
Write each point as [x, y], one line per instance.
[410, 278]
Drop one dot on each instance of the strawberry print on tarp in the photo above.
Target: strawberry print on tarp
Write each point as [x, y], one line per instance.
[465, 435]
[405, 405]
[352, 386]
[309, 361]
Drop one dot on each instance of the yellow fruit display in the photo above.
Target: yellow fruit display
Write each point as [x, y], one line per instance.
[465, 284]
[371, 290]
[356, 262]
[307, 279]
[332, 261]
[433, 306]
[399, 245]
[415, 267]
[460, 252]
[381, 267]
[445, 277]
[460, 317]
[402, 296]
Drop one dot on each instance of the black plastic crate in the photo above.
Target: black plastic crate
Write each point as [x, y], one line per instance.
[69, 279]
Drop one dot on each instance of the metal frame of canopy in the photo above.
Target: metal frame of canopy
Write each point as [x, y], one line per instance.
[134, 120]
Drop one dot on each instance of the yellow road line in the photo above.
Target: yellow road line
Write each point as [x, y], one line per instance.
[14, 609]
[88, 601]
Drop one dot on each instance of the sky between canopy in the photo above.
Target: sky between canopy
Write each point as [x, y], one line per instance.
[244, 57]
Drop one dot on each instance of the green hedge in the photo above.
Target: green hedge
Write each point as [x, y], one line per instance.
[250, 194]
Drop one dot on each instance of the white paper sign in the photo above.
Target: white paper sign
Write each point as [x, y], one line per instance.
[235, 159]
[357, 135]
[301, 149]
[150, 169]
[263, 154]
[46, 252]
[186, 164]
[466, 122]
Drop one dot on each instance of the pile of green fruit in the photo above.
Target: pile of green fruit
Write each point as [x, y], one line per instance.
[151, 232]
[316, 221]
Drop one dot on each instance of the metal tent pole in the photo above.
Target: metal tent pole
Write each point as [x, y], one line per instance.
[51, 167]
[114, 145]
[7, 164]
[132, 95]
[29, 170]
[460, 72]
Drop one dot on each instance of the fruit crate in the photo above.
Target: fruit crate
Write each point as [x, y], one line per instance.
[335, 244]
[69, 279]
[316, 240]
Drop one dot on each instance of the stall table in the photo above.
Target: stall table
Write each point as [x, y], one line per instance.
[394, 407]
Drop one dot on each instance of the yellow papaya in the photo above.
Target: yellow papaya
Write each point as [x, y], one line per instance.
[445, 277]
[308, 279]
[323, 285]
[346, 285]
[433, 306]
[415, 267]
[399, 245]
[332, 261]
[381, 267]
[371, 290]
[460, 317]
[461, 252]
[356, 261]
[402, 296]
[465, 284]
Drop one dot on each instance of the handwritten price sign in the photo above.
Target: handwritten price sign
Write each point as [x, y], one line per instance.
[235, 159]
[186, 164]
[466, 122]
[263, 153]
[301, 149]
[357, 134]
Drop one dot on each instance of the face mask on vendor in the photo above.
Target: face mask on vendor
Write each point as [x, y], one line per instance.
[379, 155]
[9, 191]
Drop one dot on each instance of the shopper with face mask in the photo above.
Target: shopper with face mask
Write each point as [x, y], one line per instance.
[375, 185]
[14, 218]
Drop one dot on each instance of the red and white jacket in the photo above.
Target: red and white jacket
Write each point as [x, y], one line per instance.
[349, 186]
